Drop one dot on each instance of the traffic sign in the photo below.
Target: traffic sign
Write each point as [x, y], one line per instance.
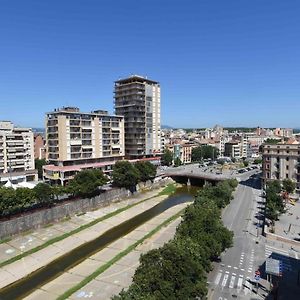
[257, 277]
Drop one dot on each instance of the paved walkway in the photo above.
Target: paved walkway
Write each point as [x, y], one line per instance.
[119, 275]
[26, 265]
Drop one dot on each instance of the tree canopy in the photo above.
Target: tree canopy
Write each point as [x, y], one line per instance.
[288, 185]
[178, 269]
[204, 152]
[146, 170]
[125, 174]
[167, 158]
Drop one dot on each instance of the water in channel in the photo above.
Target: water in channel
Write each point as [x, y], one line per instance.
[25, 286]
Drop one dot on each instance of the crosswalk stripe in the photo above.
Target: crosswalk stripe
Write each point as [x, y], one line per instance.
[225, 280]
[218, 278]
[232, 280]
[239, 283]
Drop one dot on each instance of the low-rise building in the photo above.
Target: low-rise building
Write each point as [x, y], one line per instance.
[16, 154]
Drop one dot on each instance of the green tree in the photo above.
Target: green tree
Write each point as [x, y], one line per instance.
[146, 170]
[39, 163]
[257, 161]
[43, 193]
[167, 158]
[177, 162]
[288, 185]
[124, 174]
[204, 152]
[246, 163]
[87, 182]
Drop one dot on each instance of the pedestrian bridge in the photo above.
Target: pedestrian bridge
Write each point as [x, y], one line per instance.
[195, 177]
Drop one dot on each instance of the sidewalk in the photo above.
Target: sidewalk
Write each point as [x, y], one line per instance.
[119, 275]
[32, 262]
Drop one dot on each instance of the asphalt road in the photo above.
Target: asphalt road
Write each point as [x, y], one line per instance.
[233, 277]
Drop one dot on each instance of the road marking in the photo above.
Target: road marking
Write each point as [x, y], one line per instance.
[225, 280]
[239, 283]
[235, 268]
[227, 272]
[229, 266]
[232, 280]
[247, 286]
[217, 280]
[233, 274]
[243, 270]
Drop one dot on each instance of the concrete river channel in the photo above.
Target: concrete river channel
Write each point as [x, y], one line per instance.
[26, 285]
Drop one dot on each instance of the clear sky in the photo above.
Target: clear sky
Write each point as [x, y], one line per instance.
[231, 62]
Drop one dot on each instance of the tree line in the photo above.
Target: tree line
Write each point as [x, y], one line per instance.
[178, 269]
[86, 183]
[198, 154]
[275, 204]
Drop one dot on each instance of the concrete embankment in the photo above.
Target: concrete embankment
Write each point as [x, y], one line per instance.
[35, 261]
[30, 221]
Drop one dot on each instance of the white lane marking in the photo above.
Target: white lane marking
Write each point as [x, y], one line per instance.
[235, 268]
[239, 283]
[232, 280]
[227, 272]
[243, 270]
[247, 287]
[229, 266]
[233, 274]
[217, 280]
[225, 280]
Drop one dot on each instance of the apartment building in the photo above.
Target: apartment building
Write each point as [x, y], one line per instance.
[138, 100]
[281, 161]
[16, 154]
[233, 149]
[77, 140]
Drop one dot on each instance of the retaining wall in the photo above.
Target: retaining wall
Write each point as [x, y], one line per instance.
[56, 213]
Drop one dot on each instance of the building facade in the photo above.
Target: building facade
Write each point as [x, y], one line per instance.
[138, 100]
[39, 147]
[281, 161]
[75, 139]
[233, 149]
[16, 153]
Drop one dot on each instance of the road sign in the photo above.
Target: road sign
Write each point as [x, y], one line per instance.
[257, 277]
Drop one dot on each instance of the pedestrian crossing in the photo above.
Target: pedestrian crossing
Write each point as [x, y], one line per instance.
[238, 282]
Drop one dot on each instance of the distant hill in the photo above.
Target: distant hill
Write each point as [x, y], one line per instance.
[38, 130]
[166, 127]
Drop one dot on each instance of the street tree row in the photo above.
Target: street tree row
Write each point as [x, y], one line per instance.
[178, 270]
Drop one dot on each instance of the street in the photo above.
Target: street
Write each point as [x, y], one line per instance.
[233, 277]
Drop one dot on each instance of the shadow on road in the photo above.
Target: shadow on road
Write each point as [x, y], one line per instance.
[251, 182]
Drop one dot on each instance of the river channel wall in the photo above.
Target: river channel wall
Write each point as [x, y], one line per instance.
[57, 213]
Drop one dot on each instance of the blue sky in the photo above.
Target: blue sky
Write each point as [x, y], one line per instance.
[233, 62]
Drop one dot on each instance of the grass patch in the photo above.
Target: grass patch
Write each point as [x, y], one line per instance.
[5, 240]
[168, 190]
[104, 267]
[67, 234]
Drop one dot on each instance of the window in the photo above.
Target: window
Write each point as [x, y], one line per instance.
[287, 167]
[286, 175]
[287, 159]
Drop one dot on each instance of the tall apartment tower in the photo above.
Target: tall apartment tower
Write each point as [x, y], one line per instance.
[16, 153]
[138, 100]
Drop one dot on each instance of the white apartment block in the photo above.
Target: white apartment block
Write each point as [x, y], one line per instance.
[75, 139]
[16, 153]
